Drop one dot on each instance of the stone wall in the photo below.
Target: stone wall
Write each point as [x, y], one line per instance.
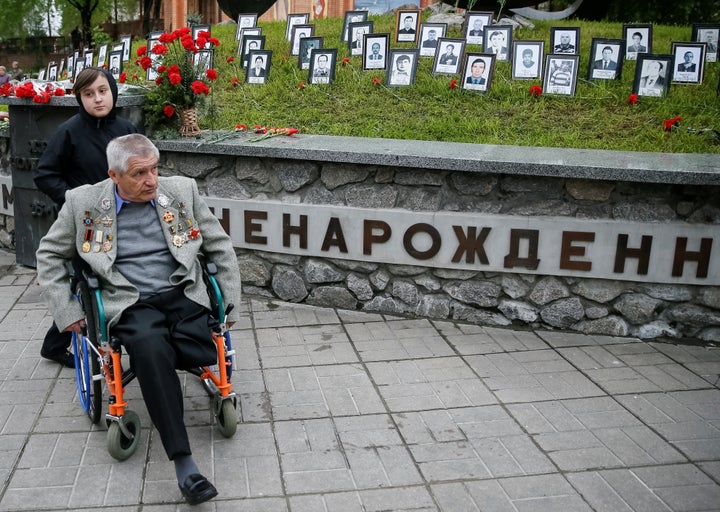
[645, 193]
[7, 223]
[500, 299]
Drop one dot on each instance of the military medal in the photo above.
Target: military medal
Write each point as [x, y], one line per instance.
[86, 246]
[105, 204]
[194, 234]
[163, 200]
[106, 221]
[178, 241]
[168, 216]
[106, 246]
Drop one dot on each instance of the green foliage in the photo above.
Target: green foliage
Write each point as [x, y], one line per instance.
[598, 117]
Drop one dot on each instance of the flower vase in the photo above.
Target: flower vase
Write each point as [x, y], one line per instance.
[189, 122]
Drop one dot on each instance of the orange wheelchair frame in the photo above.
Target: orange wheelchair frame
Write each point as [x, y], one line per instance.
[98, 362]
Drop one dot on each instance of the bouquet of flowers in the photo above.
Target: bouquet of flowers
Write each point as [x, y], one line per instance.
[183, 67]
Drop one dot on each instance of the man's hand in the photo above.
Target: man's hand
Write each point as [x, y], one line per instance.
[77, 327]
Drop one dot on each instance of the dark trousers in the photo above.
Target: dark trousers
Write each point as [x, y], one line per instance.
[162, 333]
[57, 342]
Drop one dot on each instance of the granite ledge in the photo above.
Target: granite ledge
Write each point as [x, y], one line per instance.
[640, 167]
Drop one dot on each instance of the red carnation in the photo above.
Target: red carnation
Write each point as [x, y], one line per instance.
[671, 123]
[211, 74]
[59, 92]
[302, 84]
[453, 84]
[145, 63]
[633, 98]
[230, 60]
[345, 61]
[123, 77]
[203, 33]
[234, 81]
[199, 87]
[142, 50]
[173, 69]
[169, 111]
[161, 68]
[174, 78]
[159, 80]
[41, 97]
[536, 91]
[159, 49]
[166, 38]
[376, 80]
[214, 41]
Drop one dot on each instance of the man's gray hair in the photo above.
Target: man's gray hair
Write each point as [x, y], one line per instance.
[122, 149]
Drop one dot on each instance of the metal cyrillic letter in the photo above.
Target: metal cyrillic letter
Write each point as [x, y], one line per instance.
[568, 250]
[422, 227]
[513, 259]
[642, 254]
[682, 255]
[334, 236]
[369, 238]
[288, 230]
[251, 227]
[471, 244]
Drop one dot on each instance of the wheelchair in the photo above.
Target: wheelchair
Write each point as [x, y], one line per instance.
[98, 366]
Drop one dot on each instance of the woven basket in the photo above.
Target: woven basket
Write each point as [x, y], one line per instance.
[189, 122]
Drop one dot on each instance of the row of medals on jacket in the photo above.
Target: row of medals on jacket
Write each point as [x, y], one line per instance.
[182, 232]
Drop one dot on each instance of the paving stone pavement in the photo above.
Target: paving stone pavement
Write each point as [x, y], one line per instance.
[343, 411]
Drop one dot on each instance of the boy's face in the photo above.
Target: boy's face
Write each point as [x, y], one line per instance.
[97, 98]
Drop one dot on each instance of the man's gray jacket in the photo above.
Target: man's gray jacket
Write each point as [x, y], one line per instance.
[88, 209]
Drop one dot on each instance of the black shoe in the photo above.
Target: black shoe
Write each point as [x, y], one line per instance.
[197, 489]
[65, 358]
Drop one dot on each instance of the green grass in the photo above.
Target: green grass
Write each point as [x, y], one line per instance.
[597, 117]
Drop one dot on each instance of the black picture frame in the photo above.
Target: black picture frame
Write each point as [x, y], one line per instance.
[478, 82]
[638, 39]
[407, 25]
[79, 66]
[151, 73]
[245, 20]
[448, 57]
[88, 57]
[402, 67]
[527, 60]
[564, 40]
[376, 60]
[560, 75]
[653, 74]
[298, 32]
[351, 17]
[252, 31]
[252, 76]
[708, 33]
[430, 35]
[251, 43]
[126, 41]
[307, 44]
[319, 72]
[52, 71]
[102, 54]
[357, 32]
[606, 59]
[498, 41]
[298, 18]
[115, 63]
[688, 62]
[473, 19]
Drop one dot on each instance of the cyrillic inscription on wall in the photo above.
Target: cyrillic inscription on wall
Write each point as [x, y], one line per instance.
[665, 252]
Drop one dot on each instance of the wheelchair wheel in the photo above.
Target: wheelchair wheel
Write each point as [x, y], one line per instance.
[227, 418]
[87, 365]
[118, 445]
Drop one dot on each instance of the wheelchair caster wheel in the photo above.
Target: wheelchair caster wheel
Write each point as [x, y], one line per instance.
[118, 444]
[227, 418]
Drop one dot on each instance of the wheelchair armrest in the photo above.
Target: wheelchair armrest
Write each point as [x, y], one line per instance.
[92, 279]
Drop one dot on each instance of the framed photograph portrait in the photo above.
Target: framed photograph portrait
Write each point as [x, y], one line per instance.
[638, 39]
[498, 41]
[115, 64]
[41, 74]
[295, 19]
[708, 33]
[561, 73]
[88, 59]
[688, 62]
[203, 60]
[252, 31]
[52, 71]
[653, 73]
[351, 17]
[606, 59]
[357, 31]
[201, 28]
[448, 56]
[102, 54]
[527, 59]
[151, 74]
[565, 40]
[251, 43]
[258, 69]
[478, 71]
[307, 45]
[126, 41]
[71, 65]
[430, 34]
[475, 23]
[298, 32]
[79, 66]
[322, 65]
[375, 52]
[402, 67]
[407, 25]
[245, 20]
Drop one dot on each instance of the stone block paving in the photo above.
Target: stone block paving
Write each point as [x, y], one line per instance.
[348, 411]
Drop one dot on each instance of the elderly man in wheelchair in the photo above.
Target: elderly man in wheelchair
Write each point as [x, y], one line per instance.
[142, 236]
